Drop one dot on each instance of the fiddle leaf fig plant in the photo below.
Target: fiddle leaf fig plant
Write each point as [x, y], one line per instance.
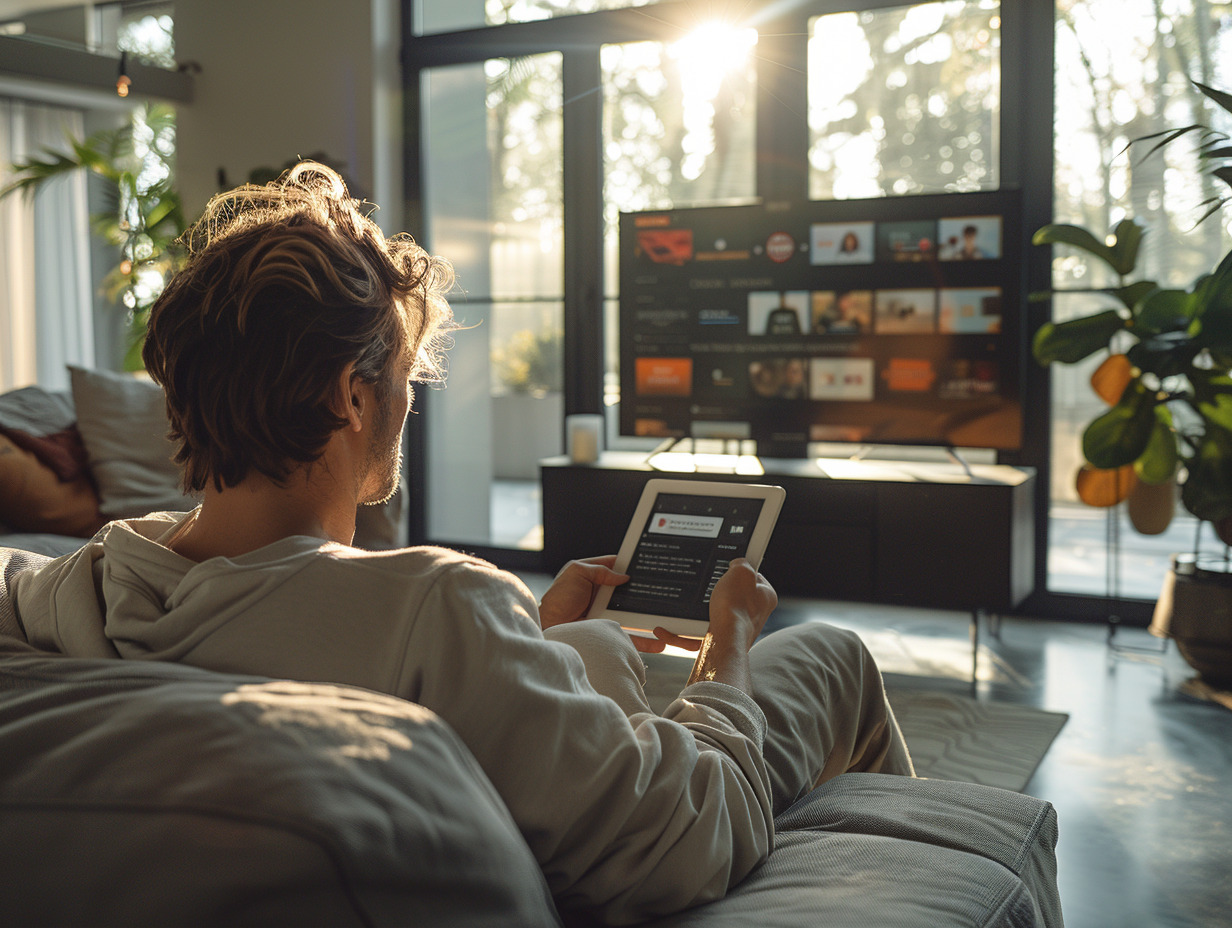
[1170, 352]
[1174, 410]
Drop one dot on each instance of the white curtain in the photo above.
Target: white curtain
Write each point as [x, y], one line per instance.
[46, 312]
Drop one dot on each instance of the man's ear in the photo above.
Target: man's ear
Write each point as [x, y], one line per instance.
[350, 399]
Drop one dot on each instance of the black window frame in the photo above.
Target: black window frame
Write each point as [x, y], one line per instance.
[1026, 163]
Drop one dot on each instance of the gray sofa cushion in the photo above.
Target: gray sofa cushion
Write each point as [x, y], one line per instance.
[868, 850]
[136, 793]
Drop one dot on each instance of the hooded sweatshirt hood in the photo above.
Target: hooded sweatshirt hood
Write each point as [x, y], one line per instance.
[125, 594]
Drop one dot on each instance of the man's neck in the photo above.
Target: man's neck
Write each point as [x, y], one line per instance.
[259, 512]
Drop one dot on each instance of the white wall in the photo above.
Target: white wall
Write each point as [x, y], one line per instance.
[285, 78]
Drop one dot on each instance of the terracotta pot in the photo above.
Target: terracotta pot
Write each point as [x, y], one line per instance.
[1195, 610]
[1151, 506]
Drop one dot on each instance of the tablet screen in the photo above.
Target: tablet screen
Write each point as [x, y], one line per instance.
[685, 546]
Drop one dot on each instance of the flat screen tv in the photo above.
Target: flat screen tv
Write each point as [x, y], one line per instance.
[888, 321]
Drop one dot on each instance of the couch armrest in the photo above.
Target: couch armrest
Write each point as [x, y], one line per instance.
[136, 792]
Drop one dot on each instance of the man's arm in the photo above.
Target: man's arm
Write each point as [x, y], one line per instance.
[630, 816]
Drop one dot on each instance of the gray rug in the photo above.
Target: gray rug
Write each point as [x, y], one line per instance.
[954, 737]
[951, 737]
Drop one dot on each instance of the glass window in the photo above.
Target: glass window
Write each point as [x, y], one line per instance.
[435, 16]
[904, 100]
[1122, 71]
[493, 206]
[679, 124]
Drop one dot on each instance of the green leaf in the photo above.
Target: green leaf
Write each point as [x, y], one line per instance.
[1163, 311]
[1224, 174]
[1076, 237]
[1132, 294]
[1218, 410]
[1165, 354]
[1159, 460]
[1220, 98]
[1207, 491]
[1120, 435]
[1075, 339]
[1166, 137]
[1127, 237]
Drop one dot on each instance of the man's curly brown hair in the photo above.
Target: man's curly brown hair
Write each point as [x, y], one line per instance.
[285, 285]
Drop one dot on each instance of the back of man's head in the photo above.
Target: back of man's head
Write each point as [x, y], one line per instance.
[285, 285]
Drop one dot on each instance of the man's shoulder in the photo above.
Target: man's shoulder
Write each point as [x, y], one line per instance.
[423, 562]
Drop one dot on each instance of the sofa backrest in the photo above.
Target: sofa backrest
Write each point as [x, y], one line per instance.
[148, 793]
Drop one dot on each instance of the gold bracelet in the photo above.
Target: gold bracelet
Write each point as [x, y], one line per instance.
[703, 655]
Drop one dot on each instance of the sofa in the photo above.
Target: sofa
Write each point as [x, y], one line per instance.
[72, 460]
[145, 793]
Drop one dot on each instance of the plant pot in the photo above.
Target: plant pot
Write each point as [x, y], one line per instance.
[1195, 610]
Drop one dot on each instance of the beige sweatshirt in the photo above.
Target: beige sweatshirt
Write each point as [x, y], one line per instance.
[629, 814]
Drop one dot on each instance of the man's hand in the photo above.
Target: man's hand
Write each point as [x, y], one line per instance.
[740, 604]
[572, 592]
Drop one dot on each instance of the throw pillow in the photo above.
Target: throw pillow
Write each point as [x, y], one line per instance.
[36, 411]
[42, 421]
[62, 451]
[33, 499]
[123, 423]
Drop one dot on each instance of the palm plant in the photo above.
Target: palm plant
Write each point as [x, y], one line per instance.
[142, 216]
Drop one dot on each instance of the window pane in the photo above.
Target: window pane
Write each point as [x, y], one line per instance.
[493, 206]
[904, 100]
[679, 124]
[446, 15]
[1122, 71]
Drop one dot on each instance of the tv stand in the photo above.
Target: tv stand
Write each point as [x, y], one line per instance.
[945, 535]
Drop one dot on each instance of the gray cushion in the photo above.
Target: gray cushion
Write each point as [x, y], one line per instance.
[869, 850]
[123, 424]
[36, 411]
[140, 793]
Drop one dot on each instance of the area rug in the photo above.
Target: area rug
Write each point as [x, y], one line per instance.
[950, 736]
[953, 737]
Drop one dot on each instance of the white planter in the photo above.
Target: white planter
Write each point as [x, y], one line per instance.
[525, 428]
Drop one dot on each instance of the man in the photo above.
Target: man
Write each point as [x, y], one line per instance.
[286, 348]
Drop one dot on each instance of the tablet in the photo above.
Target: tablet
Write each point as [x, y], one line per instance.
[682, 536]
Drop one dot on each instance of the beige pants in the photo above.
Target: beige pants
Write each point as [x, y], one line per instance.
[820, 689]
[826, 709]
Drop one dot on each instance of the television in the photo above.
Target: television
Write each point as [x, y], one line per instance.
[885, 321]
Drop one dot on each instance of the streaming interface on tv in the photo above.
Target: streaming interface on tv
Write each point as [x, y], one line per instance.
[897, 320]
[684, 548]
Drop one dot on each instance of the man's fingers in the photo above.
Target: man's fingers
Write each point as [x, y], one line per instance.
[677, 641]
[597, 570]
[647, 645]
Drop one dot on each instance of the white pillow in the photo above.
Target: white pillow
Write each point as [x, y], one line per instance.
[122, 419]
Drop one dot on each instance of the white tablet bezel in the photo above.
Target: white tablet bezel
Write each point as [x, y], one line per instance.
[772, 497]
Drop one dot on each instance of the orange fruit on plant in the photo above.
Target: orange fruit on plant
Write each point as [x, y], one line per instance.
[1103, 488]
[1112, 377]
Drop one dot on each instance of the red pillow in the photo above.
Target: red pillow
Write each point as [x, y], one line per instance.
[62, 451]
[34, 499]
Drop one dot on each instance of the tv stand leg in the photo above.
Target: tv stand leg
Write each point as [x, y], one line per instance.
[975, 648]
[957, 458]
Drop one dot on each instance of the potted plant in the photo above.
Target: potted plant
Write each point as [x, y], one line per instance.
[143, 217]
[527, 403]
[1167, 378]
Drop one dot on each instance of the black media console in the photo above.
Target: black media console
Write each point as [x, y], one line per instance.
[915, 534]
